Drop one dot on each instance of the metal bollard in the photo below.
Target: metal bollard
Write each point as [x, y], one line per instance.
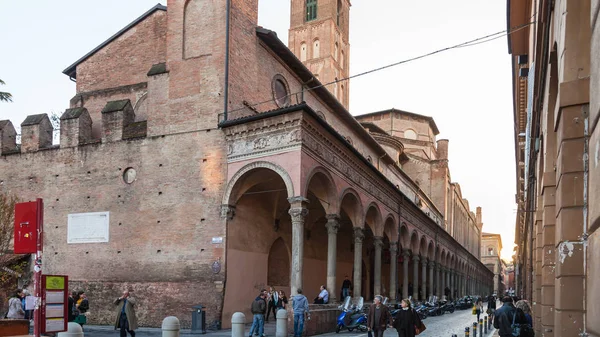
[467, 332]
[238, 322]
[474, 329]
[485, 324]
[282, 320]
[170, 327]
[481, 327]
[73, 330]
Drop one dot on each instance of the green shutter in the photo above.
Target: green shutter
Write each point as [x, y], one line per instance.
[311, 10]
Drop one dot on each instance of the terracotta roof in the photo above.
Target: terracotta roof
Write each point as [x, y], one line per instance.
[432, 124]
[71, 70]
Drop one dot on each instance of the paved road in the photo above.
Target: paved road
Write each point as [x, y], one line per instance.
[442, 326]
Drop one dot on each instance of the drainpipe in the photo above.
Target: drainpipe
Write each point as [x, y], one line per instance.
[584, 236]
[226, 91]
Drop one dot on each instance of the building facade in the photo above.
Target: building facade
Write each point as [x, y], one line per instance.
[554, 51]
[172, 181]
[491, 246]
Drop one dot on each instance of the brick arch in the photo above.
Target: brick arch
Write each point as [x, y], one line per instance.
[404, 236]
[328, 185]
[229, 191]
[377, 225]
[357, 214]
[390, 228]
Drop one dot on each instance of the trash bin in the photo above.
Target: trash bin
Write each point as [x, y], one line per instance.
[198, 319]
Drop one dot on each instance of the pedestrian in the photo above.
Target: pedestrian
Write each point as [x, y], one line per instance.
[346, 285]
[479, 308]
[491, 307]
[407, 320]
[506, 315]
[82, 305]
[73, 312]
[410, 289]
[283, 300]
[323, 297]
[379, 317]
[524, 305]
[258, 309]
[15, 307]
[300, 307]
[272, 303]
[126, 320]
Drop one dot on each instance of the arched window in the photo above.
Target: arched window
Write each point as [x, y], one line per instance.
[335, 88]
[311, 10]
[335, 51]
[342, 94]
[410, 134]
[342, 59]
[316, 49]
[281, 91]
[339, 12]
[303, 52]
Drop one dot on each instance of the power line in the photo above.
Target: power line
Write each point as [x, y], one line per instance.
[470, 43]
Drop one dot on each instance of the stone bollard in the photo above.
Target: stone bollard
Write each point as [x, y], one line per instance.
[170, 327]
[238, 322]
[73, 330]
[282, 320]
[481, 327]
[485, 324]
[467, 332]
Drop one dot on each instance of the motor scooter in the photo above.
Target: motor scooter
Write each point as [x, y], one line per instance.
[352, 317]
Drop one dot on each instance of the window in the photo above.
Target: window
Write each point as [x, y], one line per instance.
[335, 51]
[311, 10]
[281, 91]
[316, 50]
[342, 59]
[335, 88]
[342, 94]
[339, 12]
[490, 251]
[303, 52]
[410, 134]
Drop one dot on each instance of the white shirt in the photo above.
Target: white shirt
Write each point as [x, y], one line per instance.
[324, 295]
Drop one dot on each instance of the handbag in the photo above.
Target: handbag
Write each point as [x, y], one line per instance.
[474, 310]
[420, 328]
[521, 330]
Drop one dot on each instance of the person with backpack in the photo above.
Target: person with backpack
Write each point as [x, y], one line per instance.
[258, 309]
[508, 318]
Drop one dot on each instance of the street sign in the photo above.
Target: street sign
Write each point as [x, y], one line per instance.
[26, 227]
[55, 303]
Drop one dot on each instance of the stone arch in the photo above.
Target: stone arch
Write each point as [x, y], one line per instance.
[279, 264]
[373, 219]
[233, 189]
[324, 188]
[414, 242]
[431, 250]
[404, 236]
[141, 107]
[197, 21]
[443, 257]
[423, 247]
[390, 229]
[349, 202]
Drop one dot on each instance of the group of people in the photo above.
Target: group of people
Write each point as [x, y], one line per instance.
[406, 323]
[265, 303]
[514, 316]
[79, 307]
[16, 306]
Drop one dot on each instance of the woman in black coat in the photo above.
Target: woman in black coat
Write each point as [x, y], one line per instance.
[406, 320]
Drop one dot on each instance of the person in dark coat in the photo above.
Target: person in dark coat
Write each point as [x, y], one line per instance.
[379, 317]
[126, 320]
[406, 320]
[503, 317]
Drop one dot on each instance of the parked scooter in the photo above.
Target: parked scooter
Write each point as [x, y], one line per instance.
[352, 317]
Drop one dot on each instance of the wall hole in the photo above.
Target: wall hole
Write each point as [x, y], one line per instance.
[204, 160]
[159, 193]
[56, 199]
[89, 172]
[202, 249]
[87, 252]
[120, 224]
[55, 226]
[158, 251]
[203, 189]
[158, 221]
[118, 252]
[55, 253]
[202, 220]
[159, 165]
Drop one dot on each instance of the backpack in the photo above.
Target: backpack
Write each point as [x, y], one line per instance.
[521, 330]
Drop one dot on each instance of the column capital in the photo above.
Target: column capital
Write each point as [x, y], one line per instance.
[298, 213]
[333, 218]
[394, 247]
[405, 253]
[432, 264]
[297, 202]
[416, 258]
[424, 261]
[332, 226]
[378, 242]
[227, 211]
[359, 235]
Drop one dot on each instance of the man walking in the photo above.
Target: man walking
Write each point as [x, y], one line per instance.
[504, 317]
[258, 309]
[379, 317]
[300, 307]
[346, 285]
[126, 319]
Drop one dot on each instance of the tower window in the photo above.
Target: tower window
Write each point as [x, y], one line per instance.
[316, 50]
[303, 52]
[311, 10]
[339, 12]
[335, 51]
[342, 59]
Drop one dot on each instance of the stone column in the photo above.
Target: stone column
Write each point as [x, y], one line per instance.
[431, 267]
[378, 243]
[298, 212]
[424, 278]
[358, 240]
[393, 271]
[448, 281]
[439, 290]
[405, 257]
[332, 225]
[415, 294]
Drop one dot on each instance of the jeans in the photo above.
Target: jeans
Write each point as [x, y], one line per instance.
[298, 324]
[258, 325]
[345, 293]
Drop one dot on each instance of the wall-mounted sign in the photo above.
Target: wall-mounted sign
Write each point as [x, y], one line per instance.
[88, 227]
[217, 239]
[216, 267]
[55, 303]
[27, 220]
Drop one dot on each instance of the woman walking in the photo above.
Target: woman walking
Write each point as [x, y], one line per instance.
[524, 305]
[479, 306]
[407, 320]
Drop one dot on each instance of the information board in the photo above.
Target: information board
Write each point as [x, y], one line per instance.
[55, 303]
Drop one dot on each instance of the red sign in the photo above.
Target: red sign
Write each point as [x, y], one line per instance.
[27, 221]
[55, 303]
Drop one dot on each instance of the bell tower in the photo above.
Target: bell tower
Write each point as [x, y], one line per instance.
[319, 37]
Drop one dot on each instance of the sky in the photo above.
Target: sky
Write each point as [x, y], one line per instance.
[466, 90]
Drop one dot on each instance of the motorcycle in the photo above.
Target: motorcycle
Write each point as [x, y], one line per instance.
[353, 314]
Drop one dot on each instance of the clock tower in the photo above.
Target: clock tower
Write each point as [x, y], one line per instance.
[319, 38]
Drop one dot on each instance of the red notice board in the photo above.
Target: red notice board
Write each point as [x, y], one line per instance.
[55, 303]
[27, 220]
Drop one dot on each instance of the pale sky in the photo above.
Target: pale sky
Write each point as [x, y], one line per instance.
[467, 91]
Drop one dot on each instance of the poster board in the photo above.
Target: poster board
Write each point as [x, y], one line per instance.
[55, 303]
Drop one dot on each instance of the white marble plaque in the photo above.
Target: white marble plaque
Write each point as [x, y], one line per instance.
[88, 227]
